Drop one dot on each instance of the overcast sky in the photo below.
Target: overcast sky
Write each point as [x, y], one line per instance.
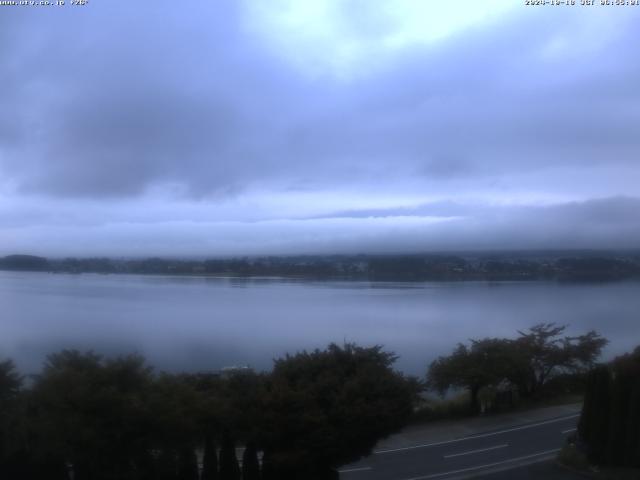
[283, 126]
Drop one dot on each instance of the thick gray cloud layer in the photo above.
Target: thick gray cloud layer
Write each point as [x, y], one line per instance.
[130, 126]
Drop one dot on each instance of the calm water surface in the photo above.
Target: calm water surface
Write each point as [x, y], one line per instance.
[207, 323]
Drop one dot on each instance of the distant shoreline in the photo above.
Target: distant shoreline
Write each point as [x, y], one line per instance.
[408, 268]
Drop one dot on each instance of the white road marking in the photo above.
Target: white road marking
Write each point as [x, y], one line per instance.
[569, 430]
[476, 451]
[472, 437]
[360, 469]
[488, 465]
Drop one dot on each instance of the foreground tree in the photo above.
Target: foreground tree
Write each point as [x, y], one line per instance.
[10, 417]
[610, 420]
[485, 362]
[632, 446]
[229, 468]
[593, 426]
[210, 459]
[92, 413]
[268, 470]
[10, 381]
[327, 408]
[250, 464]
[624, 420]
[187, 464]
[547, 352]
[113, 419]
[173, 406]
[167, 465]
[527, 362]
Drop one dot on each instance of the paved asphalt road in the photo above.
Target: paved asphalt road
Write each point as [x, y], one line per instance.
[549, 470]
[468, 456]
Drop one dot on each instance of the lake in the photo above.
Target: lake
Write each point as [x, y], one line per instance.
[194, 323]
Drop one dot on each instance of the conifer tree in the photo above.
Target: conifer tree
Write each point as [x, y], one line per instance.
[210, 460]
[268, 470]
[229, 469]
[610, 420]
[146, 466]
[594, 424]
[586, 415]
[621, 388]
[49, 468]
[10, 385]
[250, 465]
[632, 447]
[187, 464]
[167, 465]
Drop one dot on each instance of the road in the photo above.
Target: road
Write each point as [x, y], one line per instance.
[472, 455]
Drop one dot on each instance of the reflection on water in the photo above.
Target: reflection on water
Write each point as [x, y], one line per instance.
[206, 323]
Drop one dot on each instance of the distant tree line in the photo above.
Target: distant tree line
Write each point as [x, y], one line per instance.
[364, 267]
[115, 419]
[502, 368]
[609, 428]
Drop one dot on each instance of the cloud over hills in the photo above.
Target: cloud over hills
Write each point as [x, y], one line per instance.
[233, 128]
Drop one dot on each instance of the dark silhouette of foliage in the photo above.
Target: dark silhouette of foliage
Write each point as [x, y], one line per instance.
[229, 468]
[10, 384]
[210, 459]
[37, 468]
[187, 464]
[594, 420]
[93, 412]
[174, 405]
[144, 467]
[239, 403]
[485, 362]
[327, 408]
[620, 398]
[610, 421]
[167, 465]
[632, 444]
[625, 425]
[547, 352]
[250, 464]
[268, 470]
[114, 419]
[10, 381]
[528, 362]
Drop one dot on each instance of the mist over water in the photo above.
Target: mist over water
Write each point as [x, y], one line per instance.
[194, 323]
